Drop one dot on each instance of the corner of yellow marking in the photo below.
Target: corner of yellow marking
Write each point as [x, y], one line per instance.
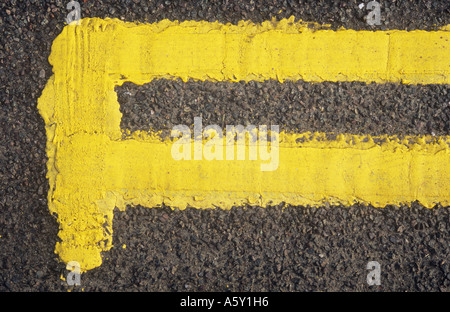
[91, 170]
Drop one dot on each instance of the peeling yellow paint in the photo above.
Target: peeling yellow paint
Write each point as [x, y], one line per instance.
[92, 169]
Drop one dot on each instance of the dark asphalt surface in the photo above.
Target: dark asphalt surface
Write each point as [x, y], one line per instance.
[280, 248]
[331, 107]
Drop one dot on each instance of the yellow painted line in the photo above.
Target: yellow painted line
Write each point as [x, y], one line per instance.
[91, 169]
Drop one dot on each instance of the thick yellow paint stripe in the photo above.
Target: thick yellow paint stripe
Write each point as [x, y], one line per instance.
[91, 169]
[310, 173]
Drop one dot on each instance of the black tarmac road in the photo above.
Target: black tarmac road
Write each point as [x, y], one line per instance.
[280, 248]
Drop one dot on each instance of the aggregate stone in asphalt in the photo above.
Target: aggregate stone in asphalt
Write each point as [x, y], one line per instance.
[278, 248]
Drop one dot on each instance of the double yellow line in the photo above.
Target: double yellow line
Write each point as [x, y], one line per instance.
[92, 170]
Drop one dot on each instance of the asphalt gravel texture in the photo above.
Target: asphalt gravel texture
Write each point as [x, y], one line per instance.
[279, 248]
[330, 107]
